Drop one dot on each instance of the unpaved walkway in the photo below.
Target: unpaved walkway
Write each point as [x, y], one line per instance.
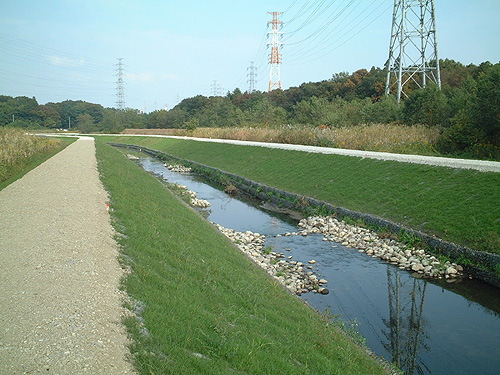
[60, 308]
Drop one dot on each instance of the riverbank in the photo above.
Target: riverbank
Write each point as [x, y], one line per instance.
[366, 292]
[456, 205]
[397, 244]
[200, 305]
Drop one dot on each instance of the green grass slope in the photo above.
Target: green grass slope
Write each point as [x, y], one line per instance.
[458, 205]
[204, 307]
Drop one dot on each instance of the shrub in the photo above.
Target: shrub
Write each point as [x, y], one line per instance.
[426, 106]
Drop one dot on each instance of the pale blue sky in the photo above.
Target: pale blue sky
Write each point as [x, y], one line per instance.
[67, 49]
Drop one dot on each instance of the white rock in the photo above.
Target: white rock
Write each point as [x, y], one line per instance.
[451, 271]
[417, 267]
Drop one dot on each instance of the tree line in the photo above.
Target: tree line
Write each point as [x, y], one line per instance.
[466, 109]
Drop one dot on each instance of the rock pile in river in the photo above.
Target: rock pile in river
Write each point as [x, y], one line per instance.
[177, 168]
[295, 276]
[201, 203]
[367, 241]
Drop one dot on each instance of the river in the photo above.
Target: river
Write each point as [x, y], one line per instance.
[424, 326]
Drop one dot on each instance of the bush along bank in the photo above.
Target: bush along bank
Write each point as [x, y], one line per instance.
[478, 264]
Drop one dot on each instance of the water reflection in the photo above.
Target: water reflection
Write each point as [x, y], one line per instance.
[406, 324]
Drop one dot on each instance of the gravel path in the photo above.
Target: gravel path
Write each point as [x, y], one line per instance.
[60, 307]
[480, 165]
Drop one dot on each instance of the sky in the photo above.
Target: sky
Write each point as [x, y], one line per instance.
[56, 50]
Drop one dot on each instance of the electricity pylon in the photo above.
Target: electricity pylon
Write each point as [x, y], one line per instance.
[120, 91]
[275, 55]
[252, 76]
[215, 88]
[413, 52]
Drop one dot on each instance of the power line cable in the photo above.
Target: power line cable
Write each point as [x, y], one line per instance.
[328, 22]
[329, 51]
[336, 26]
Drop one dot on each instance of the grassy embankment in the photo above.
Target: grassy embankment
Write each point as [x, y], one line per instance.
[19, 153]
[457, 205]
[205, 308]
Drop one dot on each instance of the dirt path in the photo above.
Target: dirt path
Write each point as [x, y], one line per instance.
[60, 307]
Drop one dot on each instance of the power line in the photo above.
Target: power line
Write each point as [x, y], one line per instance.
[334, 17]
[350, 30]
[328, 22]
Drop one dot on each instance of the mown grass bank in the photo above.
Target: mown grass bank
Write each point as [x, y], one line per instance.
[203, 307]
[454, 204]
[20, 153]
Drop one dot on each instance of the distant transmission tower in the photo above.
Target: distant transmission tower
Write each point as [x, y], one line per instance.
[252, 76]
[413, 53]
[120, 91]
[215, 88]
[275, 55]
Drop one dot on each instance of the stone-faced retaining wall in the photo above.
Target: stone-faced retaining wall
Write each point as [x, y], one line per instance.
[484, 266]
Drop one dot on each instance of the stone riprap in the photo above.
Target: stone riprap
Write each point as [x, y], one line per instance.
[369, 242]
[201, 203]
[177, 168]
[193, 200]
[295, 276]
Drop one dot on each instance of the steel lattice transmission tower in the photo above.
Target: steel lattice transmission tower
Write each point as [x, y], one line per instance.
[215, 88]
[275, 55]
[413, 53]
[120, 91]
[252, 76]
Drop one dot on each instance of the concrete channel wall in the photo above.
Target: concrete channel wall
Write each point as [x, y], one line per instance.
[484, 266]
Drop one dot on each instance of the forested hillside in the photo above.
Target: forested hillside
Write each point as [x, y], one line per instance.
[466, 109]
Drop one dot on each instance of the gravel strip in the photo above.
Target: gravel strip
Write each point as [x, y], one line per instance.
[60, 307]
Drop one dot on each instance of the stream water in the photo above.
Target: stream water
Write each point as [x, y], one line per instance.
[424, 326]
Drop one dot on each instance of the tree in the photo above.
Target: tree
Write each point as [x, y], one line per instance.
[48, 114]
[18, 108]
[487, 111]
[173, 119]
[85, 123]
[193, 105]
[383, 111]
[426, 106]
[313, 111]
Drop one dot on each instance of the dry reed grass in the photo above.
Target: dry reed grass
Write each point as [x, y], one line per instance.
[416, 139]
[16, 147]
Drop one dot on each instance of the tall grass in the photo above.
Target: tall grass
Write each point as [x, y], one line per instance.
[416, 139]
[19, 151]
